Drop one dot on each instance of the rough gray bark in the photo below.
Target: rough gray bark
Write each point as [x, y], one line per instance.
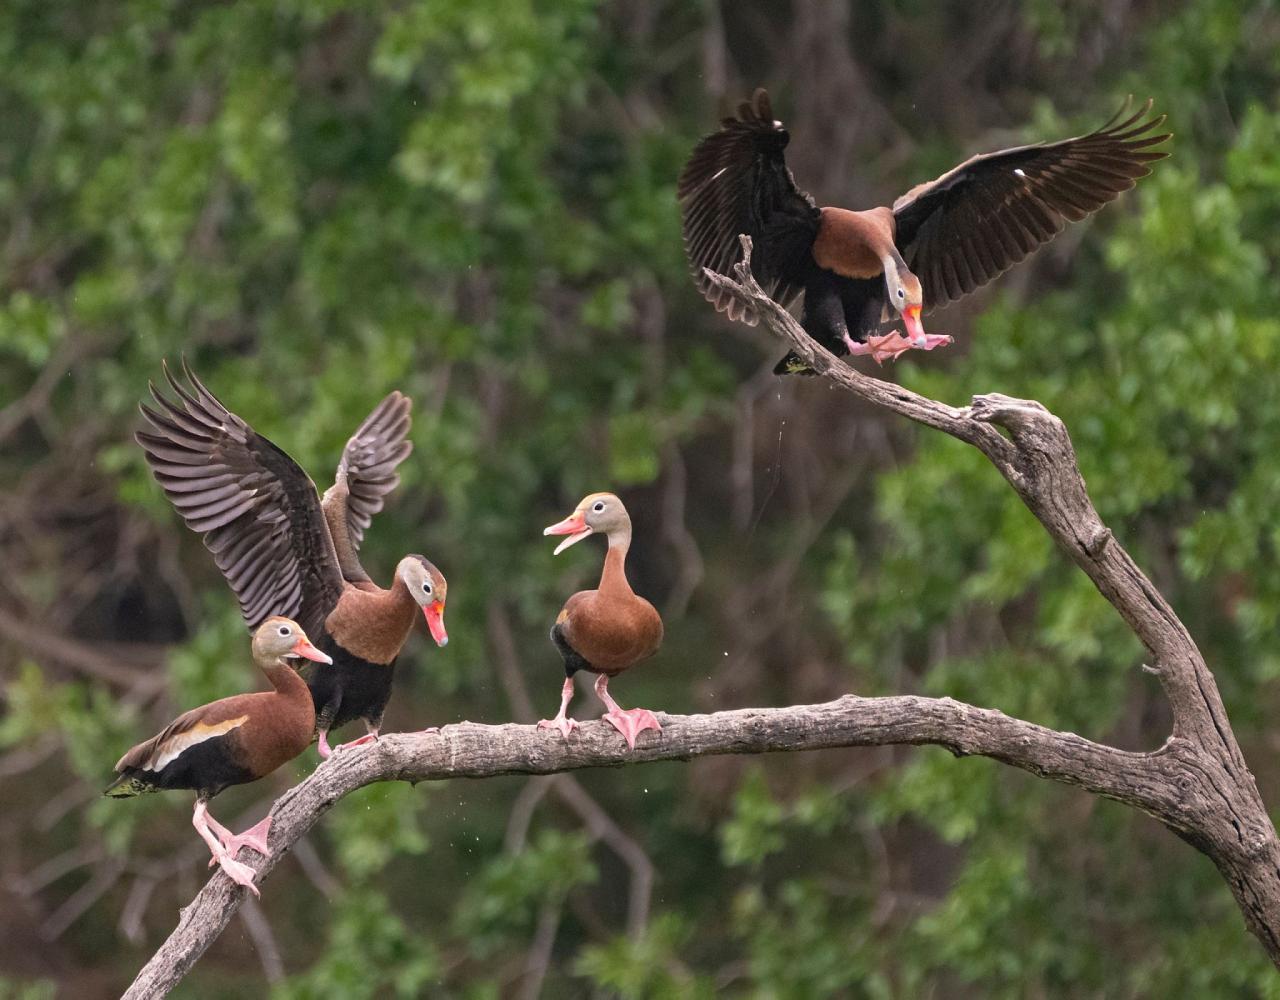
[1197, 784]
[475, 751]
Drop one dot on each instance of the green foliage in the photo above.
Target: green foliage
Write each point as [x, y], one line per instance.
[380, 823]
[369, 952]
[318, 202]
[500, 906]
[13, 989]
[648, 968]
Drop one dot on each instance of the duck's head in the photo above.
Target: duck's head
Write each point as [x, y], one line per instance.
[428, 587]
[281, 639]
[598, 512]
[906, 296]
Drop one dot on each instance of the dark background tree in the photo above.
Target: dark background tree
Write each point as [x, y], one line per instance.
[475, 203]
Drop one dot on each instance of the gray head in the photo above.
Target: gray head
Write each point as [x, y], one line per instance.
[428, 588]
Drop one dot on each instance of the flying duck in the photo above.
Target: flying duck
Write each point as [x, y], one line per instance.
[606, 630]
[284, 551]
[231, 742]
[859, 271]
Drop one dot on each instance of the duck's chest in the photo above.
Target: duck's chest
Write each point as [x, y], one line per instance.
[852, 244]
[271, 740]
[611, 634]
[371, 626]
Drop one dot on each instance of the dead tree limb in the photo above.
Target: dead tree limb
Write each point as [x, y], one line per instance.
[1197, 784]
[1217, 806]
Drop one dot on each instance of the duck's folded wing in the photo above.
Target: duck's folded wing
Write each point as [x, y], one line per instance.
[366, 474]
[737, 182]
[258, 511]
[977, 220]
[208, 722]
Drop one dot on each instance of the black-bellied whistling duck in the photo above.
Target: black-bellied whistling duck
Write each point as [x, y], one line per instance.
[231, 742]
[606, 630]
[285, 552]
[939, 241]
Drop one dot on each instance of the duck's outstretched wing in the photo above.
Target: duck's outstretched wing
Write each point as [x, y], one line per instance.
[366, 474]
[258, 511]
[736, 182]
[977, 220]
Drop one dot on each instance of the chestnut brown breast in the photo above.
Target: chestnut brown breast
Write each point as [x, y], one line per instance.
[852, 243]
[372, 623]
[279, 728]
[611, 632]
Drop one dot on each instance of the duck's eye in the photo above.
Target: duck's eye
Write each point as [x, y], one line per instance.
[901, 294]
[284, 630]
[426, 587]
[598, 506]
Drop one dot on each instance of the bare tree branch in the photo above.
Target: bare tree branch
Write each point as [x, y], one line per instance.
[474, 751]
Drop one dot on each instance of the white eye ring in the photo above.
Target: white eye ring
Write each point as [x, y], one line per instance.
[599, 506]
[426, 587]
[901, 294]
[284, 630]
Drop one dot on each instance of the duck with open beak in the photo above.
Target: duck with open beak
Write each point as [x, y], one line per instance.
[607, 630]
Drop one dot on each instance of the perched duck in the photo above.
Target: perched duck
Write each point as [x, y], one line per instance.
[231, 742]
[606, 630]
[286, 552]
[939, 241]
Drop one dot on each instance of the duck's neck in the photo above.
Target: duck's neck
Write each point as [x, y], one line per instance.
[614, 578]
[892, 260]
[373, 623]
[285, 679]
[401, 601]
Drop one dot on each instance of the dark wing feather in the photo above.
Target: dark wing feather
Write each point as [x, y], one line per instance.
[258, 511]
[979, 219]
[366, 474]
[736, 182]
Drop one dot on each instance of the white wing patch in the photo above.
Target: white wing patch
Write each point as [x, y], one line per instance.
[175, 746]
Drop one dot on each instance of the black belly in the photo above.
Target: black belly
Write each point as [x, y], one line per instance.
[835, 305]
[573, 660]
[349, 688]
[206, 768]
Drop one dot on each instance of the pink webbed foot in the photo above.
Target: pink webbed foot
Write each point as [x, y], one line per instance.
[322, 746]
[631, 723]
[366, 738]
[561, 722]
[255, 837]
[931, 340]
[892, 345]
[239, 872]
[880, 349]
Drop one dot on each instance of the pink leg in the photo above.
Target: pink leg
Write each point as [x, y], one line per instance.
[630, 723]
[238, 872]
[562, 722]
[322, 745]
